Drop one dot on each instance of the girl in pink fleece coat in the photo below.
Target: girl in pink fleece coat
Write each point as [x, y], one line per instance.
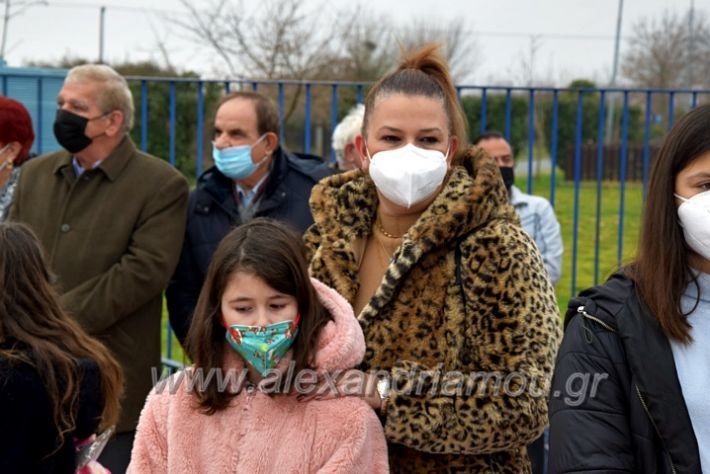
[263, 337]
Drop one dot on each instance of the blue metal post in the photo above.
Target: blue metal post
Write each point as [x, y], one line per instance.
[458, 93]
[144, 115]
[577, 183]
[307, 120]
[508, 107]
[40, 92]
[333, 117]
[671, 105]
[227, 87]
[622, 176]
[484, 107]
[694, 100]
[359, 93]
[600, 172]
[646, 139]
[200, 127]
[254, 86]
[531, 138]
[553, 149]
[172, 123]
[282, 125]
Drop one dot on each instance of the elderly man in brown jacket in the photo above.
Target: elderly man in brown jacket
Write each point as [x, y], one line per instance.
[112, 220]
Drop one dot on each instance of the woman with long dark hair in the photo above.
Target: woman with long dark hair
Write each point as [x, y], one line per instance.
[630, 387]
[57, 384]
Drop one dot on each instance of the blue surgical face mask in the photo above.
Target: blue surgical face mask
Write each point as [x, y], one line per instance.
[235, 162]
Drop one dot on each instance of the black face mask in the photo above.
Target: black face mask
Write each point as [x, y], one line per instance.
[69, 130]
[508, 176]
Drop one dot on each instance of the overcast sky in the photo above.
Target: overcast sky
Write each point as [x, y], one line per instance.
[574, 38]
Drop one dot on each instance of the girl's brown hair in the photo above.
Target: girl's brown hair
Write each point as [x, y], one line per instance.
[422, 72]
[41, 334]
[661, 270]
[274, 253]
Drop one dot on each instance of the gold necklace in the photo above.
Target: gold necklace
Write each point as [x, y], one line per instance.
[385, 253]
[378, 223]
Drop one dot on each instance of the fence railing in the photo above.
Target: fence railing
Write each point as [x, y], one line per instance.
[588, 150]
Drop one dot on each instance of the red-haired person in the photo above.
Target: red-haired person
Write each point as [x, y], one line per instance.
[16, 138]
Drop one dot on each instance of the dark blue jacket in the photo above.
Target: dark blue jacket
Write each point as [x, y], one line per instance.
[212, 212]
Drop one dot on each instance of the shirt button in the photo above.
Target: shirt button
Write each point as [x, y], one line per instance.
[65, 228]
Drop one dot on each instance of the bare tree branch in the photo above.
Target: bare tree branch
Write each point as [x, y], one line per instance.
[200, 27]
[14, 8]
[665, 52]
[162, 46]
[456, 38]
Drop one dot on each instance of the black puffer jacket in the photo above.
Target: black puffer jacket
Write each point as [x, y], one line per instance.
[212, 212]
[616, 403]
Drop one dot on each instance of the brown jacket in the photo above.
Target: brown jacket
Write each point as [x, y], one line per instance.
[113, 237]
[465, 320]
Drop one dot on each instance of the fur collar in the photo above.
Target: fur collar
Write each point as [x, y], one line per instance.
[344, 208]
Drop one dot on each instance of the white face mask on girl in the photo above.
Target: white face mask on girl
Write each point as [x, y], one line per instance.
[694, 216]
[408, 175]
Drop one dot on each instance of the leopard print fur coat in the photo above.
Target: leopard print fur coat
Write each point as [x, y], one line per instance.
[465, 320]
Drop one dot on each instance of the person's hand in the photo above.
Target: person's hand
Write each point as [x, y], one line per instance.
[5, 171]
[353, 383]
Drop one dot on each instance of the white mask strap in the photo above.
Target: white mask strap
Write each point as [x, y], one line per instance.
[369, 157]
[258, 140]
[681, 197]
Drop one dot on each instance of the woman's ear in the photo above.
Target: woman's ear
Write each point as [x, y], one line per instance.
[362, 151]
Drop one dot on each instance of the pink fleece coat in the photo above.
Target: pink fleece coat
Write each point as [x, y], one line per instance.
[260, 433]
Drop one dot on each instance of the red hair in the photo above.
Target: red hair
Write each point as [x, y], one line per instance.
[16, 126]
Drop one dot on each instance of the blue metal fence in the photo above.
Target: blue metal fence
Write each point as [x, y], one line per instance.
[563, 150]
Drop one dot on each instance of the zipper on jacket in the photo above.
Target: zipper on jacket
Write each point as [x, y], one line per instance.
[581, 310]
[648, 413]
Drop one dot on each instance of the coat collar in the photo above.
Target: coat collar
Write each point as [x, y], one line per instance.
[111, 166]
[517, 198]
[344, 208]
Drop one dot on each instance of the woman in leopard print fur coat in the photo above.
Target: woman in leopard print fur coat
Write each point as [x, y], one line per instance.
[456, 307]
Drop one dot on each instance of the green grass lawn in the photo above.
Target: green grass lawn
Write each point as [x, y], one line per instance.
[587, 228]
[586, 234]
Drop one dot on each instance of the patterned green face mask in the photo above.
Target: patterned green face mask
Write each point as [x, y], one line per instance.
[263, 346]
